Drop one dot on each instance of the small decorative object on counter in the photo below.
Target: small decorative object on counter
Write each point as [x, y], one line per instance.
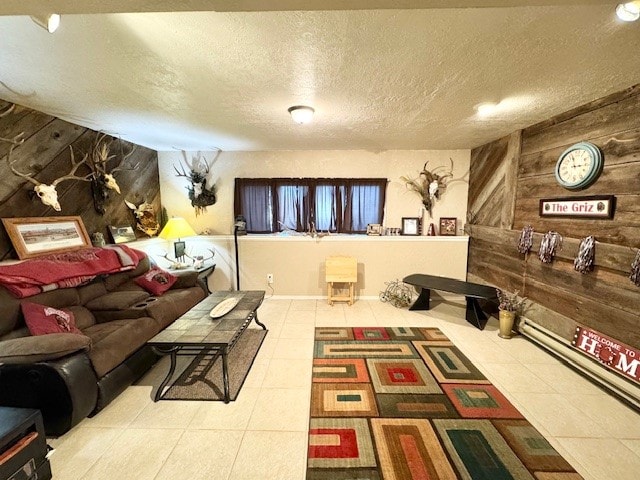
[526, 240]
[97, 239]
[432, 230]
[635, 270]
[397, 293]
[586, 255]
[551, 242]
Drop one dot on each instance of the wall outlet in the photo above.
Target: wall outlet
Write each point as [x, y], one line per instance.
[269, 278]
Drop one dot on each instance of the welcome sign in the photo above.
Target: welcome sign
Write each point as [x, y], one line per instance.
[617, 356]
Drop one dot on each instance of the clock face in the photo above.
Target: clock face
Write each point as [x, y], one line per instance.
[579, 166]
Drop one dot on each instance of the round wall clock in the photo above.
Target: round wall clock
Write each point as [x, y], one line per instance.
[579, 166]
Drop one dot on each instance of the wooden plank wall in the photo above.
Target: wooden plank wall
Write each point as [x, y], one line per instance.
[46, 151]
[604, 299]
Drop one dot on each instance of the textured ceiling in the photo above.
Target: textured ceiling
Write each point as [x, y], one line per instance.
[378, 79]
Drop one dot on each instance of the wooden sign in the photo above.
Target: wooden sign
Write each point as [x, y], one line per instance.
[617, 356]
[595, 206]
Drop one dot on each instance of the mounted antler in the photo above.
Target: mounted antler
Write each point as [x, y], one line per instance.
[199, 194]
[9, 109]
[47, 193]
[429, 184]
[198, 260]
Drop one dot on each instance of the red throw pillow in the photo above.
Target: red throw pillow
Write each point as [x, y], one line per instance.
[156, 281]
[42, 320]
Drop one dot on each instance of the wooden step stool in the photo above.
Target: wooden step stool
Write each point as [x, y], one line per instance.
[341, 270]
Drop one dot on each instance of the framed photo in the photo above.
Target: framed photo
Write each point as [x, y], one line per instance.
[33, 236]
[122, 234]
[410, 225]
[448, 225]
[374, 229]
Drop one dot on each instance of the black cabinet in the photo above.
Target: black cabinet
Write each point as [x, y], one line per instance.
[23, 445]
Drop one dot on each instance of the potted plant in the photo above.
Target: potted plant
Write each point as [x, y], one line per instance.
[510, 306]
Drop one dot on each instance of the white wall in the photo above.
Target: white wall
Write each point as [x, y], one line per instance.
[328, 163]
[275, 255]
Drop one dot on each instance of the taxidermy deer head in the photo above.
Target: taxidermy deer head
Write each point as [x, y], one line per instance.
[47, 193]
[200, 195]
[101, 177]
[146, 218]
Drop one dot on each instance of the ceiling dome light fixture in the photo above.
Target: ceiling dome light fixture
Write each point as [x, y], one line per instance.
[49, 22]
[301, 113]
[628, 12]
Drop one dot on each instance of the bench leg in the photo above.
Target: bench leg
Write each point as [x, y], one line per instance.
[422, 302]
[474, 314]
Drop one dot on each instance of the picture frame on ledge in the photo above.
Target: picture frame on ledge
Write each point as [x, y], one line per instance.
[122, 234]
[374, 229]
[410, 225]
[35, 236]
[448, 226]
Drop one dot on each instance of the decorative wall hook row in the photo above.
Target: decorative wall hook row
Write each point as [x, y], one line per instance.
[525, 242]
[635, 270]
[583, 263]
[551, 241]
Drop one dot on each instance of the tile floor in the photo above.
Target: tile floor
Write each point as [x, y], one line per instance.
[263, 435]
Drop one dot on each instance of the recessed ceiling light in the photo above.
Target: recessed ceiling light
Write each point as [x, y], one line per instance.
[628, 12]
[301, 113]
[486, 109]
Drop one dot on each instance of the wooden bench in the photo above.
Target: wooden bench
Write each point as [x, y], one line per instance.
[471, 291]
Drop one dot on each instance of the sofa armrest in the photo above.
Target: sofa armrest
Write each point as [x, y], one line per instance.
[41, 348]
[186, 279]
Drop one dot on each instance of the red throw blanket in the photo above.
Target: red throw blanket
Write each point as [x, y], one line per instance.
[66, 269]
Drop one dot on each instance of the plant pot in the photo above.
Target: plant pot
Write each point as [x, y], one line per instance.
[506, 323]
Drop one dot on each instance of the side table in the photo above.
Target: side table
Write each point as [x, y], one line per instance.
[204, 272]
[23, 445]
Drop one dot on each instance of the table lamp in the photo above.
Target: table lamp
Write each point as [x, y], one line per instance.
[175, 229]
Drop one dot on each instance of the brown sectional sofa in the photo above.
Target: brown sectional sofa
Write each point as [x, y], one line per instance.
[69, 376]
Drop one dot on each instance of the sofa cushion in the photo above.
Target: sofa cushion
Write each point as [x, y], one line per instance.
[41, 348]
[156, 281]
[117, 300]
[173, 304]
[114, 280]
[84, 318]
[113, 342]
[43, 320]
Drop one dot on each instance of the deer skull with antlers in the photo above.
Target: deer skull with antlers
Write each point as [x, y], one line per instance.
[47, 193]
[200, 195]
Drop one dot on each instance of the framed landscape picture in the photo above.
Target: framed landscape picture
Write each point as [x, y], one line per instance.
[122, 234]
[448, 225]
[33, 236]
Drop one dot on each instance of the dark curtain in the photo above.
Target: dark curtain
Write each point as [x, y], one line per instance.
[342, 205]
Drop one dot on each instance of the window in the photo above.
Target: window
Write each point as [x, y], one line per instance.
[340, 205]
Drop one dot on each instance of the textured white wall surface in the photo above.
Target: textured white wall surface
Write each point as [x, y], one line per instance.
[327, 163]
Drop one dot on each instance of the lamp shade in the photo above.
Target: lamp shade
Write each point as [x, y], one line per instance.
[177, 227]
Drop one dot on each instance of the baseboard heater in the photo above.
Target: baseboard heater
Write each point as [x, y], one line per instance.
[596, 372]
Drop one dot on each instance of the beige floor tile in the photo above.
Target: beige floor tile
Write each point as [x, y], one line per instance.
[297, 331]
[256, 374]
[282, 409]
[300, 305]
[525, 352]
[137, 453]
[324, 305]
[267, 348]
[79, 449]
[271, 455]
[123, 409]
[337, 314]
[564, 380]
[633, 445]
[331, 321]
[615, 417]
[285, 373]
[226, 416]
[166, 414]
[557, 415]
[513, 377]
[216, 451]
[307, 317]
[294, 348]
[602, 459]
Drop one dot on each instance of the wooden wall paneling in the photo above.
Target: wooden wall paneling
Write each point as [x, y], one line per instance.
[589, 122]
[511, 161]
[46, 152]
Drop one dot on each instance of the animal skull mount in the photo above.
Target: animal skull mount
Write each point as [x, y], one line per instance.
[200, 195]
[430, 184]
[145, 217]
[47, 194]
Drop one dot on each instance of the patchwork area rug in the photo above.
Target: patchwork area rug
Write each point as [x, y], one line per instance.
[202, 379]
[406, 404]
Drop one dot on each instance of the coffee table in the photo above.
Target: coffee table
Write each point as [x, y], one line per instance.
[196, 332]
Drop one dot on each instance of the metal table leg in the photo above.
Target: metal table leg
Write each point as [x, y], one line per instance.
[173, 351]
